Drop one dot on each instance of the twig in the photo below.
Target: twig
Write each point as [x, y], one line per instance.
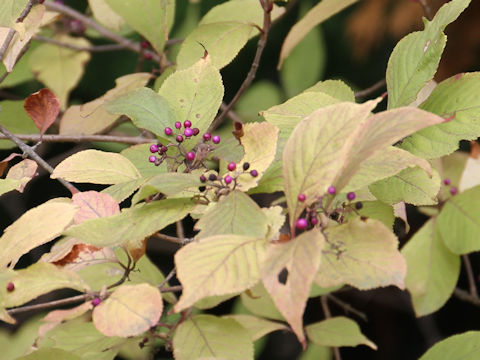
[133, 140]
[347, 307]
[427, 10]
[168, 278]
[231, 114]
[30, 152]
[97, 48]
[169, 238]
[470, 276]
[267, 23]
[328, 315]
[466, 296]
[126, 43]
[180, 232]
[377, 86]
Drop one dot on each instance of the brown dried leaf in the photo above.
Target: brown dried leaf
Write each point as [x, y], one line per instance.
[43, 107]
[4, 162]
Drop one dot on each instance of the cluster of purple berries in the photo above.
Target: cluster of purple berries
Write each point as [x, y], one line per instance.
[228, 179]
[453, 190]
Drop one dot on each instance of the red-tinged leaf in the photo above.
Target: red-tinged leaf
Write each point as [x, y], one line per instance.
[129, 311]
[23, 171]
[297, 261]
[4, 162]
[55, 317]
[83, 255]
[43, 107]
[93, 205]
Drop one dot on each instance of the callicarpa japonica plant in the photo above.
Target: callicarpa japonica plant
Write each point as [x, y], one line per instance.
[273, 206]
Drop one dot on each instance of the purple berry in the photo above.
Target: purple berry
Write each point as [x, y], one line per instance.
[168, 131]
[203, 178]
[254, 173]
[188, 132]
[212, 177]
[351, 196]
[96, 301]
[152, 158]
[196, 131]
[10, 287]
[178, 124]
[446, 181]
[207, 136]
[153, 148]
[332, 190]
[301, 223]
[453, 190]
[358, 205]
[301, 197]
[228, 179]
[179, 138]
[145, 44]
[246, 166]
[231, 166]
[314, 220]
[216, 139]
[187, 123]
[164, 149]
[148, 56]
[190, 156]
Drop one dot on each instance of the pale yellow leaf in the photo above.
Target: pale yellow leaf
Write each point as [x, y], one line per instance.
[93, 205]
[256, 326]
[105, 15]
[24, 171]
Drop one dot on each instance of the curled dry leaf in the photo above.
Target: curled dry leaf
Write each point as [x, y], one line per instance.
[23, 171]
[43, 107]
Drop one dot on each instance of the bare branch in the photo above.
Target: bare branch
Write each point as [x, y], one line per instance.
[133, 140]
[347, 307]
[377, 86]
[427, 10]
[470, 276]
[328, 315]
[466, 296]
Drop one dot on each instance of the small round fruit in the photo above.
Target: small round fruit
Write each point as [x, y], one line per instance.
[228, 179]
[207, 136]
[246, 166]
[153, 148]
[332, 190]
[453, 190]
[96, 301]
[179, 138]
[10, 286]
[188, 132]
[216, 139]
[164, 149]
[351, 196]
[358, 205]
[231, 166]
[196, 131]
[203, 178]
[447, 181]
[202, 188]
[301, 197]
[190, 156]
[178, 124]
[254, 173]
[152, 158]
[144, 44]
[148, 56]
[187, 123]
[168, 131]
[212, 177]
[314, 220]
[301, 223]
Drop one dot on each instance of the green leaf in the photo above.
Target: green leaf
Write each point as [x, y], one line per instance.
[298, 259]
[19, 343]
[315, 352]
[145, 107]
[412, 185]
[257, 327]
[123, 190]
[464, 346]
[337, 331]
[174, 183]
[14, 118]
[129, 311]
[459, 222]
[454, 99]
[38, 279]
[363, 254]
[414, 60]
[306, 63]
[133, 224]
[258, 302]
[271, 181]
[195, 94]
[235, 214]
[138, 156]
[218, 265]
[60, 68]
[335, 88]
[91, 117]
[260, 95]
[433, 270]
[88, 342]
[50, 353]
[386, 163]
[35, 227]
[21, 72]
[96, 167]
[10, 10]
[319, 13]
[105, 15]
[376, 210]
[7, 185]
[211, 337]
[153, 19]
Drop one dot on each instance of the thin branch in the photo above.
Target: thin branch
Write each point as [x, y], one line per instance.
[368, 91]
[133, 140]
[126, 43]
[97, 48]
[50, 304]
[470, 276]
[267, 23]
[427, 10]
[347, 307]
[180, 231]
[231, 114]
[169, 238]
[170, 275]
[31, 153]
[328, 315]
[466, 296]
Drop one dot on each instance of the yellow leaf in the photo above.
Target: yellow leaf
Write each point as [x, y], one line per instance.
[105, 15]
